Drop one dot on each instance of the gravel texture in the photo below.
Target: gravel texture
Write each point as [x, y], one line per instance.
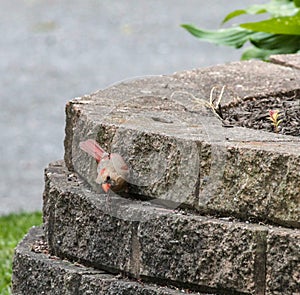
[254, 113]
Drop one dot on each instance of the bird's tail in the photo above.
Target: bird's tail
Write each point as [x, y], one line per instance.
[92, 147]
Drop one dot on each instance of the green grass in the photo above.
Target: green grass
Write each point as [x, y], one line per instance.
[13, 227]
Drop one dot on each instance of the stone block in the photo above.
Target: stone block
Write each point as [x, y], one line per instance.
[151, 242]
[283, 261]
[288, 60]
[205, 252]
[259, 182]
[77, 226]
[178, 150]
[37, 272]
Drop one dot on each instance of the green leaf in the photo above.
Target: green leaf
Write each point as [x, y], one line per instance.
[297, 3]
[255, 9]
[289, 25]
[235, 36]
[279, 8]
[278, 34]
[268, 44]
[257, 53]
[284, 43]
[233, 14]
[276, 8]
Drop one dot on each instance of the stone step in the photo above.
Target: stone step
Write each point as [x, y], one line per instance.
[178, 150]
[154, 243]
[37, 272]
[288, 60]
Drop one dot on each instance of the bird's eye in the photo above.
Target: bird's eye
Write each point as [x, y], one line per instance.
[107, 178]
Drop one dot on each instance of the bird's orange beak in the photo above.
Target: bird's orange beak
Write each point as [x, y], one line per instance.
[106, 186]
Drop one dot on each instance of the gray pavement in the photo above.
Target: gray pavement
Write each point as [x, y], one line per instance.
[52, 51]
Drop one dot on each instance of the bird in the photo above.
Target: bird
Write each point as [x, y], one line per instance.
[112, 171]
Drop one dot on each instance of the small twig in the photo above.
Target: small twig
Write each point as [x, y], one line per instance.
[216, 108]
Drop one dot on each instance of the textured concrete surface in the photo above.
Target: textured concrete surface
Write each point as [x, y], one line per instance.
[36, 272]
[206, 252]
[52, 51]
[150, 242]
[178, 150]
[287, 60]
[283, 262]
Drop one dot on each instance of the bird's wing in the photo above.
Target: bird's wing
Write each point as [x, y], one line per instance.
[92, 147]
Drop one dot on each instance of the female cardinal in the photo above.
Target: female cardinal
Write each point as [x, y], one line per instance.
[112, 169]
